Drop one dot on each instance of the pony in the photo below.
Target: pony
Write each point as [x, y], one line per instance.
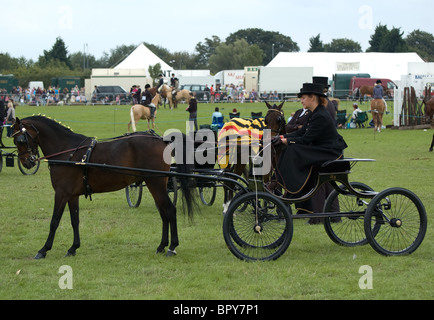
[65, 149]
[378, 108]
[181, 95]
[166, 93]
[274, 121]
[139, 111]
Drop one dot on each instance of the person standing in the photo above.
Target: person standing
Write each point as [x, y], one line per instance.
[192, 109]
[10, 118]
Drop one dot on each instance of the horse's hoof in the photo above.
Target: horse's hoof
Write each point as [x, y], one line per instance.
[70, 254]
[40, 256]
[171, 253]
[160, 251]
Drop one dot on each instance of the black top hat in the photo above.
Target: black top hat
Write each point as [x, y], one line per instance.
[312, 88]
[321, 80]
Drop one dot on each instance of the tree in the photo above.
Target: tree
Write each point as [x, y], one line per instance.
[235, 56]
[343, 45]
[316, 45]
[206, 50]
[268, 41]
[58, 52]
[154, 72]
[423, 43]
[385, 40]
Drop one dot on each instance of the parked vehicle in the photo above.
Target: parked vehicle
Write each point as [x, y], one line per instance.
[108, 94]
[202, 95]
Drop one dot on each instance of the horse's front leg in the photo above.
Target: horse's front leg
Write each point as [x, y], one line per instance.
[73, 205]
[59, 207]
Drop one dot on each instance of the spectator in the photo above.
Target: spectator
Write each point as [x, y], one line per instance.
[192, 109]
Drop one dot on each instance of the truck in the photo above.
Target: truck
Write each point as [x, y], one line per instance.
[356, 83]
[228, 77]
[7, 82]
[341, 83]
[287, 81]
[66, 82]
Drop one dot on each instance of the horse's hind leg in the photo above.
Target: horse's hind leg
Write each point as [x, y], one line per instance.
[59, 207]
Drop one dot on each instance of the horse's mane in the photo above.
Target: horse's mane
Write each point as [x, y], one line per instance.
[56, 125]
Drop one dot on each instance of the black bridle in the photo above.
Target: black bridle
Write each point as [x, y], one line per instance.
[22, 138]
[280, 120]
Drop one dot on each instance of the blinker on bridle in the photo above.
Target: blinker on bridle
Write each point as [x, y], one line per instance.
[23, 140]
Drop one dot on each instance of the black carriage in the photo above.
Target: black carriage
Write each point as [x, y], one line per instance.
[259, 224]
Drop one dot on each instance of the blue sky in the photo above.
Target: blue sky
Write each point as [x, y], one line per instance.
[29, 27]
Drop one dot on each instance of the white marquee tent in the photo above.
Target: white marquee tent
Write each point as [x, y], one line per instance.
[142, 58]
[378, 65]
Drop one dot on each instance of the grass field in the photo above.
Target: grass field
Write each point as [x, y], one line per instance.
[117, 257]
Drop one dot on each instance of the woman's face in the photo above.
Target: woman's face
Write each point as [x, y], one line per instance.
[309, 101]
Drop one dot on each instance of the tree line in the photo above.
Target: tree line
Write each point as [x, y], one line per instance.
[246, 47]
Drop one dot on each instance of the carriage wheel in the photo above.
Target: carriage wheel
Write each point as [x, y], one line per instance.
[402, 219]
[208, 194]
[347, 231]
[261, 230]
[31, 171]
[134, 194]
[1, 161]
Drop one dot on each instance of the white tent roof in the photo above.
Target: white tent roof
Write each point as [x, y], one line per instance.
[142, 58]
[378, 65]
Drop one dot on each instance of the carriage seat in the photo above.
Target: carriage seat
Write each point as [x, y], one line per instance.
[336, 166]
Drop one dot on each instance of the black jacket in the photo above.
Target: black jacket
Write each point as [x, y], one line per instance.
[317, 142]
[319, 130]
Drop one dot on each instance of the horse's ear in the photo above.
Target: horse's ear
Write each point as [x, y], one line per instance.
[281, 105]
[17, 120]
[268, 105]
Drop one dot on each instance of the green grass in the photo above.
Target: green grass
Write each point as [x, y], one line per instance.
[117, 258]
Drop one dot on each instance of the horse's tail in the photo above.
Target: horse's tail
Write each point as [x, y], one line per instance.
[133, 121]
[188, 186]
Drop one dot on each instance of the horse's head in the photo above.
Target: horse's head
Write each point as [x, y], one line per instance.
[26, 140]
[275, 119]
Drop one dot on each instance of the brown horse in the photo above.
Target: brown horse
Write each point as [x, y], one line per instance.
[166, 93]
[274, 121]
[181, 95]
[429, 110]
[378, 108]
[139, 111]
[65, 149]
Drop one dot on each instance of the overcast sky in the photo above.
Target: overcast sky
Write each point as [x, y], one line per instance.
[29, 27]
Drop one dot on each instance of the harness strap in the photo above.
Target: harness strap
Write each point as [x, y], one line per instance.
[85, 159]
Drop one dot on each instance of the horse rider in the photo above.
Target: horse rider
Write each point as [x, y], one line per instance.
[161, 83]
[174, 83]
[379, 92]
[147, 100]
